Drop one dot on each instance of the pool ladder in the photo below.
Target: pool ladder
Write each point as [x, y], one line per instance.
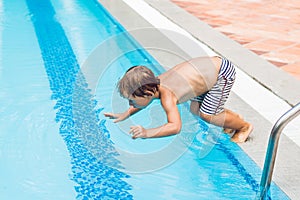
[272, 150]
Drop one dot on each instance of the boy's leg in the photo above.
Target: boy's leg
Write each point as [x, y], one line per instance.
[229, 130]
[212, 105]
[231, 120]
[226, 119]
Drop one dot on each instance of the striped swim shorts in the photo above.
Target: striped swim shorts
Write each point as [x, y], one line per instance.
[213, 101]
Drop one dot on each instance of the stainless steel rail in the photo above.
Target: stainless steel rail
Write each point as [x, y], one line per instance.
[272, 149]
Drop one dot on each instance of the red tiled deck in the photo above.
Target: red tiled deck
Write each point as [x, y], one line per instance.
[270, 28]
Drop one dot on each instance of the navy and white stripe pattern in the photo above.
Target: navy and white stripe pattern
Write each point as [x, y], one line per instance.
[213, 101]
[227, 69]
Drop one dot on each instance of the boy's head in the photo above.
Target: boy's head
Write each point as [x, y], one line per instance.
[138, 81]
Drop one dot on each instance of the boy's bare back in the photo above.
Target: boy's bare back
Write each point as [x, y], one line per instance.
[191, 78]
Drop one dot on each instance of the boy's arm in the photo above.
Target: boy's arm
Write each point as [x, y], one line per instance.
[122, 116]
[173, 126]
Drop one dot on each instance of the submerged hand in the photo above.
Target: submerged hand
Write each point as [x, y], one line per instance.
[138, 132]
[117, 116]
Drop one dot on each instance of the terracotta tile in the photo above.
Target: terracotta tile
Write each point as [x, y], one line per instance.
[203, 15]
[185, 4]
[217, 22]
[259, 52]
[281, 57]
[277, 64]
[268, 45]
[241, 39]
[271, 31]
[292, 50]
[293, 69]
[227, 33]
[295, 34]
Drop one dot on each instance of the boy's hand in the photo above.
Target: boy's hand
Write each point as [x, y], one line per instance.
[117, 116]
[138, 132]
[122, 116]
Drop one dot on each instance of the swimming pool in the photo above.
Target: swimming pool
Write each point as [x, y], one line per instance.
[55, 142]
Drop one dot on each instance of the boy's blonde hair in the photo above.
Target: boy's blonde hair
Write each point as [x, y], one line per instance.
[138, 81]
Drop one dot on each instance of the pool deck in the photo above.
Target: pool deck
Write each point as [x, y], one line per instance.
[262, 93]
[271, 29]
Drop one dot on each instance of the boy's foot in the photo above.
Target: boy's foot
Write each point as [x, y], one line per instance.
[242, 135]
[229, 130]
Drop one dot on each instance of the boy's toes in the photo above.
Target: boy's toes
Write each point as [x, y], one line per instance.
[242, 135]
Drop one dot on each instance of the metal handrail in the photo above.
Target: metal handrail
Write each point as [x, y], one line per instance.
[272, 149]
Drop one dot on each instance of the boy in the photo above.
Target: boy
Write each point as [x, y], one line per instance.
[206, 81]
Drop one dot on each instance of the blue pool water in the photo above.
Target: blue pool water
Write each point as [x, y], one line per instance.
[60, 61]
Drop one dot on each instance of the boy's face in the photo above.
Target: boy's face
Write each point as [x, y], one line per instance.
[139, 102]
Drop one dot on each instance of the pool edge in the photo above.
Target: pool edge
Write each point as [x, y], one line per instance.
[260, 139]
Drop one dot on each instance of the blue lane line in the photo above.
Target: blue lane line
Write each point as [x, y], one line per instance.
[226, 147]
[242, 171]
[84, 134]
